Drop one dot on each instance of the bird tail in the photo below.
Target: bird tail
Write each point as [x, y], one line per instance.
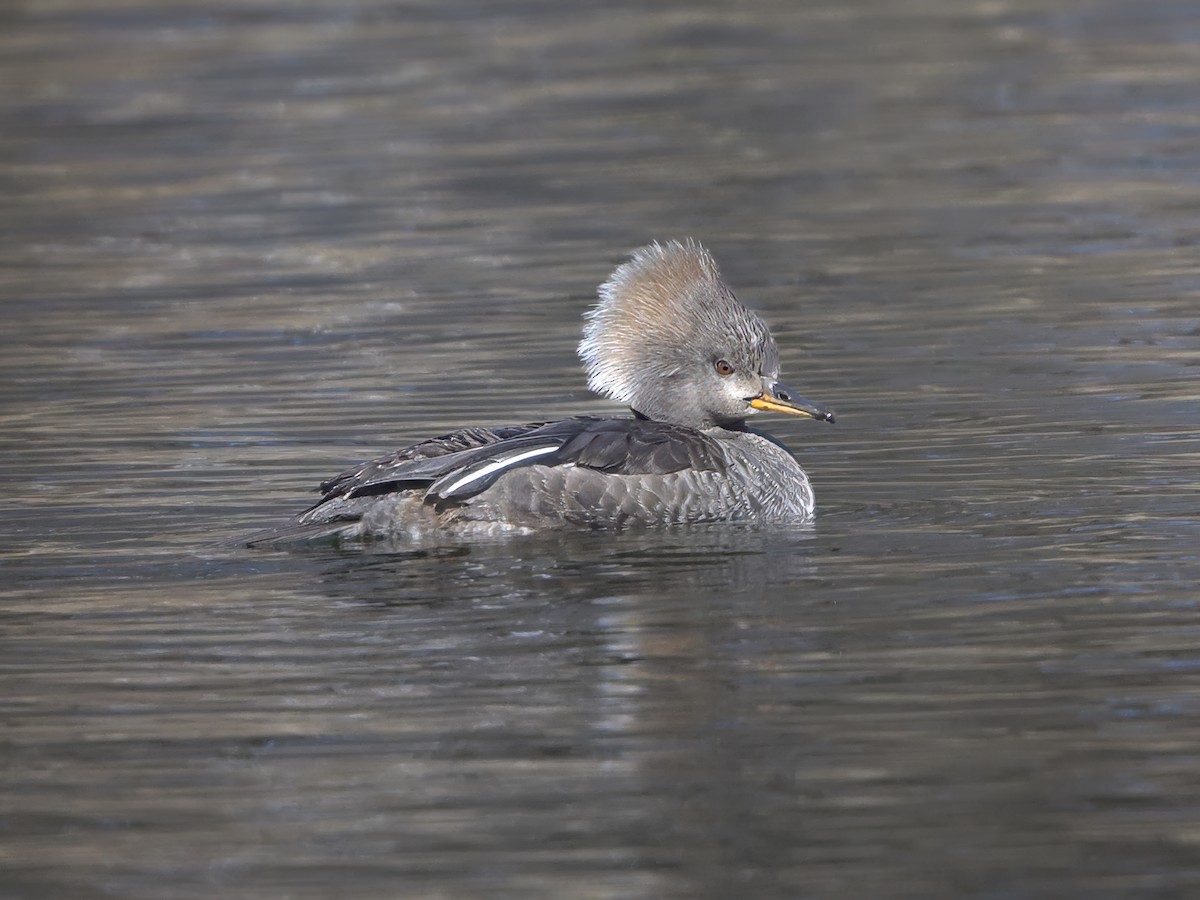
[296, 532]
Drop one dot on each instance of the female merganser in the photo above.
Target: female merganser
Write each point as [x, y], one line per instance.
[668, 338]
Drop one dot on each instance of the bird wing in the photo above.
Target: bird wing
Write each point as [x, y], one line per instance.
[420, 462]
[454, 467]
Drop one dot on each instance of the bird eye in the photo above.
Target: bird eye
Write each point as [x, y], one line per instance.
[723, 368]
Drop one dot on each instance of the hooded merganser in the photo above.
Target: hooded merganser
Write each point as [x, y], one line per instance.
[669, 339]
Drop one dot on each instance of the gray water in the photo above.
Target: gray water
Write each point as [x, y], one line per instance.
[247, 244]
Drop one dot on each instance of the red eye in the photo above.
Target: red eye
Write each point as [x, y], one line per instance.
[723, 368]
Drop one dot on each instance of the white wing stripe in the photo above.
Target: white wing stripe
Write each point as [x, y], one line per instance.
[497, 464]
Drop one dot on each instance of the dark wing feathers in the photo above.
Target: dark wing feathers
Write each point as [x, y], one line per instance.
[641, 447]
[398, 466]
[459, 465]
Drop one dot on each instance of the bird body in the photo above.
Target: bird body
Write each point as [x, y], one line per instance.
[670, 339]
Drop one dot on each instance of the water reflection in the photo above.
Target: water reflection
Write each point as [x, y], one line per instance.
[732, 559]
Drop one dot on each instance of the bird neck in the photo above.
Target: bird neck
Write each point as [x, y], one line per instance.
[739, 425]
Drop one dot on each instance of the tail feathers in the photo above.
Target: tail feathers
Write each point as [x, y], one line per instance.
[295, 532]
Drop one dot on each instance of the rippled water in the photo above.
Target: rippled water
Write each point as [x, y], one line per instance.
[247, 244]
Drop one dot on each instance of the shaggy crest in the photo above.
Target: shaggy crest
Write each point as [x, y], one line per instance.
[664, 317]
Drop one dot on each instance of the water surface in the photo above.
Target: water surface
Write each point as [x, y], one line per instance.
[248, 244]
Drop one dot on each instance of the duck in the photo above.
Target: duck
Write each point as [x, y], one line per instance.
[668, 339]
